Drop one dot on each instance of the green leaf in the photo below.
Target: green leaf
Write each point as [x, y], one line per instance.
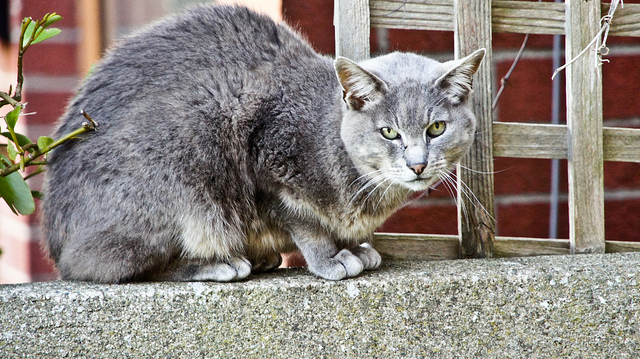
[44, 141]
[46, 34]
[11, 151]
[22, 139]
[37, 194]
[12, 117]
[15, 191]
[50, 19]
[29, 30]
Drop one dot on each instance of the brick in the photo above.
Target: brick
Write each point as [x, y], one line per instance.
[502, 41]
[50, 58]
[619, 175]
[620, 79]
[21, 250]
[621, 220]
[529, 220]
[314, 19]
[420, 41]
[423, 219]
[527, 97]
[37, 8]
[48, 107]
[623, 40]
[526, 175]
[16, 252]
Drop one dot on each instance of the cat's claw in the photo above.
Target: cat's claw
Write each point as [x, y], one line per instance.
[369, 257]
[233, 270]
[342, 265]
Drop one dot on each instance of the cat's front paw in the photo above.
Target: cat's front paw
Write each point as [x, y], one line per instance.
[233, 270]
[369, 257]
[342, 265]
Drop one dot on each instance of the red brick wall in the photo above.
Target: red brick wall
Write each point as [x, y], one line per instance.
[51, 75]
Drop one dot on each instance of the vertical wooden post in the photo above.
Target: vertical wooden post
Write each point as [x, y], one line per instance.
[472, 30]
[91, 45]
[351, 20]
[584, 120]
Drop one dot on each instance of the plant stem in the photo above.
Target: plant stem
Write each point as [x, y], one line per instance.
[8, 100]
[31, 159]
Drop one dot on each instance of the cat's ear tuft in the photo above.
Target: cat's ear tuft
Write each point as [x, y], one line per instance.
[359, 86]
[457, 82]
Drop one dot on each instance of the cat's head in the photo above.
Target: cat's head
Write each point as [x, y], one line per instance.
[406, 117]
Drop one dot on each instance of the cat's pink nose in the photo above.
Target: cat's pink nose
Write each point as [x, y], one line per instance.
[418, 169]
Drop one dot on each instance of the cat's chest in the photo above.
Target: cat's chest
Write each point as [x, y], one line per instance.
[346, 222]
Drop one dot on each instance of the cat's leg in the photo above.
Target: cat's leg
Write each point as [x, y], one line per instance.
[112, 257]
[211, 249]
[369, 257]
[185, 270]
[323, 257]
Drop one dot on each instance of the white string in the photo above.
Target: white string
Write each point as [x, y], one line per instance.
[602, 50]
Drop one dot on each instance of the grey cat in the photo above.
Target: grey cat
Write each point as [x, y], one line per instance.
[225, 140]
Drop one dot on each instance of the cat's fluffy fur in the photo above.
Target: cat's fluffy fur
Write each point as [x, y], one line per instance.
[224, 140]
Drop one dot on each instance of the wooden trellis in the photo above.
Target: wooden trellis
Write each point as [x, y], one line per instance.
[583, 141]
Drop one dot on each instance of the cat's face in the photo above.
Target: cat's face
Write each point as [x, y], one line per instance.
[406, 120]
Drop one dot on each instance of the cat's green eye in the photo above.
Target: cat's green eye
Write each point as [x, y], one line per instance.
[436, 129]
[389, 133]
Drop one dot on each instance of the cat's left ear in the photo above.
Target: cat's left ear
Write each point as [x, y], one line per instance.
[457, 83]
[359, 86]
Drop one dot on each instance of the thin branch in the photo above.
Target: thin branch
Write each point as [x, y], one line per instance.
[31, 158]
[505, 80]
[8, 100]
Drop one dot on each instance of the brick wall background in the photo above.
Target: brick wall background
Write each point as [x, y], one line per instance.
[522, 186]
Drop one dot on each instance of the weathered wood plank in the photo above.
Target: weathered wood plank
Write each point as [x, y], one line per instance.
[584, 121]
[621, 144]
[432, 15]
[352, 28]
[525, 17]
[622, 247]
[416, 247]
[528, 17]
[525, 247]
[472, 26]
[393, 246]
[626, 20]
[525, 140]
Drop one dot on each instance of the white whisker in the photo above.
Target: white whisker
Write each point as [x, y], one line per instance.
[382, 196]
[370, 181]
[470, 195]
[451, 186]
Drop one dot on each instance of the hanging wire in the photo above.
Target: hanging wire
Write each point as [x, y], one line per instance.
[602, 35]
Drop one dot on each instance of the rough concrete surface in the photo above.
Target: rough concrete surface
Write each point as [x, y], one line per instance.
[583, 306]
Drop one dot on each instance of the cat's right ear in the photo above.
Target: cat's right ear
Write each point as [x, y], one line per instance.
[359, 86]
[457, 82]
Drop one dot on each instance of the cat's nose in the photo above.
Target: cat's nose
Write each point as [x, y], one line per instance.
[418, 169]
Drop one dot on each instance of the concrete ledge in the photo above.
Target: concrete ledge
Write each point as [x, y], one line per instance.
[563, 306]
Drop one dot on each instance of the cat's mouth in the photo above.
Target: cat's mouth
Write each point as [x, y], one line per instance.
[420, 183]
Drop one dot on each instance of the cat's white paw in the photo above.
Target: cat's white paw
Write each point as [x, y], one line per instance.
[235, 269]
[369, 257]
[342, 265]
